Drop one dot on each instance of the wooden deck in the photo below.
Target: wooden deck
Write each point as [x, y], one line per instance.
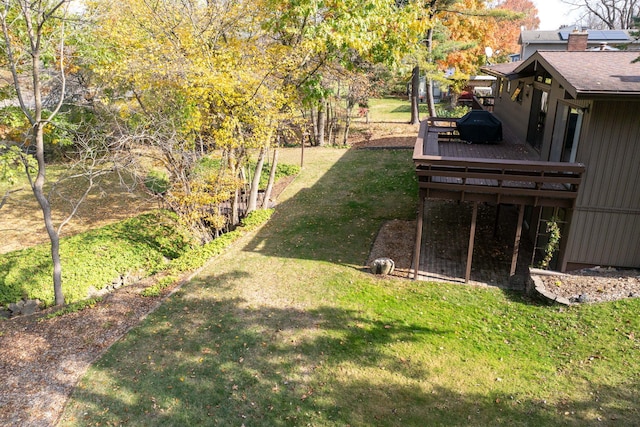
[506, 172]
[509, 172]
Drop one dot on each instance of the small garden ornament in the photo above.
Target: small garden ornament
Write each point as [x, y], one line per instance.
[383, 266]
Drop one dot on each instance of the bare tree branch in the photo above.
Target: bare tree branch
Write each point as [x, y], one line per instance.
[6, 196]
[610, 14]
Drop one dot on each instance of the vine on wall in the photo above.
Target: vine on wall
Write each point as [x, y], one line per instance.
[553, 243]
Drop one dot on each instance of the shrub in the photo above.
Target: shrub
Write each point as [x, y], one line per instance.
[282, 170]
[157, 182]
[156, 289]
[256, 218]
[196, 257]
[94, 259]
[454, 113]
[146, 244]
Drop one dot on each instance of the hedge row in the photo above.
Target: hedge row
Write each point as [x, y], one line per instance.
[139, 246]
[198, 256]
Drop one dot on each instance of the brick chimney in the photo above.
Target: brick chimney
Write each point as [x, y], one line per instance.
[577, 41]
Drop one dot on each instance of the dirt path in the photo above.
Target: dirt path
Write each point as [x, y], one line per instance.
[41, 361]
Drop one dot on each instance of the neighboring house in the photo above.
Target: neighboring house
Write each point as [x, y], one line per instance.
[582, 107]
[531, 41]
[422, 90]
[482, 85]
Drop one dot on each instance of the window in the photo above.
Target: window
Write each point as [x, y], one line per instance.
[566, 133]
[572, 134]
[544, 78]
[517, 94]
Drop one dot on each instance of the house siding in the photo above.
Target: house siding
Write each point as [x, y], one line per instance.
[605, 228]
[512, 113]
[529, 49]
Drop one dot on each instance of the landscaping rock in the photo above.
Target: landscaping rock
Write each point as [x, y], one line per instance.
[541, 290]
[23, 307]
[30, 307]
[595, 284]
[16, 308]
[383, 266]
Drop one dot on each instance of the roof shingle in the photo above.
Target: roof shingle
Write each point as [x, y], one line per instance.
[586, 72]
[600, 71]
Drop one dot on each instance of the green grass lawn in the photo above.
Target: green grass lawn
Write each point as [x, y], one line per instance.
[392, 109]
[398, 110]
[287, 329]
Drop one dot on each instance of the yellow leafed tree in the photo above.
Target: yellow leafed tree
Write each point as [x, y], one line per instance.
[189, 78]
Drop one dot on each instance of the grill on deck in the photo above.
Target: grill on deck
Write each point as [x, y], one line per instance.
[479, 126]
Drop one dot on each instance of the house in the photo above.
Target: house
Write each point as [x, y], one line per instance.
[583, 107]
[531, 41]
[578, 115]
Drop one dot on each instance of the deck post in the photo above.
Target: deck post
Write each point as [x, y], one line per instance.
[516, 244]
[418, 242]
[472, 236]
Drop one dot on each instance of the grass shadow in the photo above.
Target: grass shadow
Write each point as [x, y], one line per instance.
[337, 218]
[217, 361]
[280, 336]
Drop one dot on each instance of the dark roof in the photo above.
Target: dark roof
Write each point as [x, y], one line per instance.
[502, 70]
[583, 74]
[561, 36]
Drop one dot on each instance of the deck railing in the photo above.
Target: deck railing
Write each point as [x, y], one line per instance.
[534, 183]
[519, 182]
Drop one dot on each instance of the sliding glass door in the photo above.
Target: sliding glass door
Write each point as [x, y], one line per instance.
[566, 133]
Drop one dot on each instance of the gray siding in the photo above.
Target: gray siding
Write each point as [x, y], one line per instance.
[605, 228]
[529, 49]
[511, 113]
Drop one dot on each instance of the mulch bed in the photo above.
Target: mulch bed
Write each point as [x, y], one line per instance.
[41, 360]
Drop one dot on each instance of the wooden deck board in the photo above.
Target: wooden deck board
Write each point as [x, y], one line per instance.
[509, 172]
[504, 150]
[510, 169]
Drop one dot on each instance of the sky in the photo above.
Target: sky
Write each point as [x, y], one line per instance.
[553, 14]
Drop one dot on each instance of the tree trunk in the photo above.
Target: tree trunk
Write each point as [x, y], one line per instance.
[235, 200]
[34, 16]
[314, 122]
[347, 125]
[272, 179]
[430, 101]
[235, 215]
[429, 82]
[415, 95]
[331, 119]
[322, 121]
[255, 182]
[302, 152]
[38, 191]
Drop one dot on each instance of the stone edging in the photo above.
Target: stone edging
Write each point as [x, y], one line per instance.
[540, 289]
